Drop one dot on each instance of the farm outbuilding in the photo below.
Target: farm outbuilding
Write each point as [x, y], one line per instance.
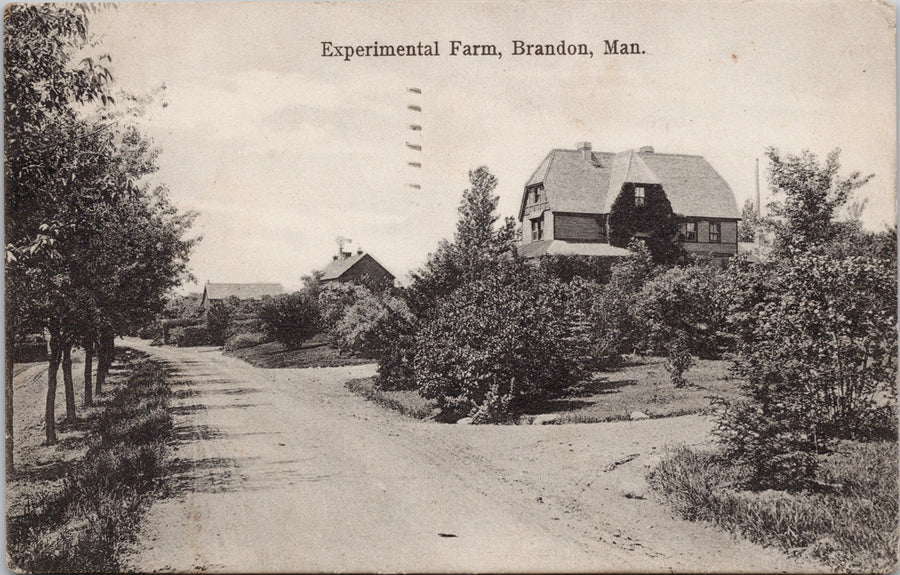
[361, 268]
[220, 292]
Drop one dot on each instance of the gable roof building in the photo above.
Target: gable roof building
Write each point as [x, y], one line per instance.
[360, 267]
[571, 194]
[218, 292]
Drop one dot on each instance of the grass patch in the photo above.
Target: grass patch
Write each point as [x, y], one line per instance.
[407, 402]
[88, 524]
[316, 352]
[641, 384]
[851, 524]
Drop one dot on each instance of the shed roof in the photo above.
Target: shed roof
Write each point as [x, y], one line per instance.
[589, 182]
[241, 291]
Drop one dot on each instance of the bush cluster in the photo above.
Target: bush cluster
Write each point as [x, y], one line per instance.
[290, 319]
[498, 342]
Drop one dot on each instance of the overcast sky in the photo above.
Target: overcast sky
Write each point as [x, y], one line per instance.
[282, 150]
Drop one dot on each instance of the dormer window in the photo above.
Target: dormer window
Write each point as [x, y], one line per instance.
[537, 195]
[639, 197]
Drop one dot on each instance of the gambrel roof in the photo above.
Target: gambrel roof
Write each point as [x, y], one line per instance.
[581, 181]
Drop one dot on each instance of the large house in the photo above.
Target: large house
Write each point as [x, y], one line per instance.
[219, 292]
[567, 202]
[360, 268]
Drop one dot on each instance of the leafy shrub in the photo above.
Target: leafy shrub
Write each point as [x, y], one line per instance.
[335, 298]
[396, 334]
[150, 331]
[686, 301]
[175, 335]
[497, 342]
[218, 319]
[818, 344]
[193, 335]
[602, 312]
[679, 359]
[290, 319]
[244, 340]
[568, 267]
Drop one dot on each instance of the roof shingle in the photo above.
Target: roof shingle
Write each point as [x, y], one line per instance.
[575, 184]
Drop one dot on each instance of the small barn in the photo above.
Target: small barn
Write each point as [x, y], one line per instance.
[220, 292]
[360, 267]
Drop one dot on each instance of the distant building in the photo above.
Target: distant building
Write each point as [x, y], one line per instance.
[566, 204]
[220, 292]
[361, 268]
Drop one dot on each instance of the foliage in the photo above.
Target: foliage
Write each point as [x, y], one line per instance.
[355, 318]
[92, 247]
[86, 526]
[497, 342]
[852, 526]
[477, 246]
[812, 195]
[654, 222]
[817, 353]
[750, 222]
[568, 267]
[193, 336]
[629, 275]
[396, 356]
[218, 320]
[602, 323]
[679, 359]
[244, 340]
[290, 319]
[686, 302]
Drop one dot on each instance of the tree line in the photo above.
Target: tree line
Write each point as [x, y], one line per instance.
[92, 246]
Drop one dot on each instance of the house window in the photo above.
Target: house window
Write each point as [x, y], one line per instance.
[690, 231]
[715, 232]
[537, 229]
[639, 196]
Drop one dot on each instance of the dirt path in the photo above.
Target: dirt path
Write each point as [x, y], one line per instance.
[285, 470]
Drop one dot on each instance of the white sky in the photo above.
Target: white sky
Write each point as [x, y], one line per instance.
[282, 150]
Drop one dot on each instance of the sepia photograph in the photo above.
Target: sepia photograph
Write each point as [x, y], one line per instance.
[466, 286]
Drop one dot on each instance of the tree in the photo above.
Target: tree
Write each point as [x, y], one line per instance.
[90, 249]
[40, 86]
[750, 222]
[811, 195]
[476, 247]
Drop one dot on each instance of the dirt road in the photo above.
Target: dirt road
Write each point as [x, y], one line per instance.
[285, 470]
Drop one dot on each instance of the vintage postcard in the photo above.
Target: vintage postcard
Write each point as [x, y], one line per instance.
[470, 286]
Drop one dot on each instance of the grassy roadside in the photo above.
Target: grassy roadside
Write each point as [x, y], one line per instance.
[641, 385]
[87, 524]
[408, 403]
[314, 353]
[852, 526]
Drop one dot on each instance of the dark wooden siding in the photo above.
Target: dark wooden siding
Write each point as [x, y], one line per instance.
[579, 227]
